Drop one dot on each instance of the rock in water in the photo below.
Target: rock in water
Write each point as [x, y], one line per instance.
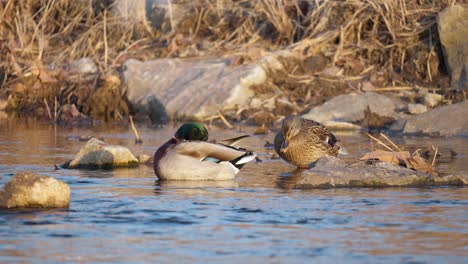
[145, 159]
[96, 154]
[453, 31]
[331, 172]
[29, 190]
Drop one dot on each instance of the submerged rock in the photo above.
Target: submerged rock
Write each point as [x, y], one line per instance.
[331, 172]
[446, 120]
[189, 89]
[96, 154]
[29, 190]
[352, 107]
[453, 29]
[145, 159]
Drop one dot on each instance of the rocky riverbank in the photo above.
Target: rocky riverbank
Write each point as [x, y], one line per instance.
[359, 68]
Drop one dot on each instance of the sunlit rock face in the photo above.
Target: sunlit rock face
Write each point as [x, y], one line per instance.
[351, 107]
[331, 172]
[96, 154]
[453, 29]
[29, 190]
[448, 120]
[189, 89]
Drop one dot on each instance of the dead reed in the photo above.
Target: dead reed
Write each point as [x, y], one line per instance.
[393, 43]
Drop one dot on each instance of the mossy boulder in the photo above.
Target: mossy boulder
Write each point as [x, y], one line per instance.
[29, 190]
[97, 154]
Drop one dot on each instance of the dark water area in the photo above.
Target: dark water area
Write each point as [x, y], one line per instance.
[127, 216]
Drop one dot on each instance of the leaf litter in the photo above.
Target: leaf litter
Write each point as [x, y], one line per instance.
[394, 154]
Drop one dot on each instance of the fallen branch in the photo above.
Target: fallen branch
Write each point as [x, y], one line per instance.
[225, 120]
[138, 140]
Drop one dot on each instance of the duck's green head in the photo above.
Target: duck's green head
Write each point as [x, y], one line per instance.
[192, 131]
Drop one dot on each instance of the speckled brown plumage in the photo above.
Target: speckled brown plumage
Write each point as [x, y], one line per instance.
[309, 141]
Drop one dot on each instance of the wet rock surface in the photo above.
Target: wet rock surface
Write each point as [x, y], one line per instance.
[186, 89]
[330, 172]
[145, 159]
[453, 29]
[351, 108]
[449, 120]
[97, 154]
[416, 109]
[29, 190]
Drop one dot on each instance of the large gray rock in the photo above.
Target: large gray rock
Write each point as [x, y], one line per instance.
[97, 154]
[160, 14]
[446, 120]
[351, 108]
[189, 89]
[331, 172]
[131, 10]
[28, 190]
[453, 31]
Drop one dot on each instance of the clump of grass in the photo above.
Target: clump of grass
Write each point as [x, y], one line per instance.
[389, 42]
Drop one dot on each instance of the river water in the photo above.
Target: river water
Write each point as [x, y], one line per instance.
[127, 216]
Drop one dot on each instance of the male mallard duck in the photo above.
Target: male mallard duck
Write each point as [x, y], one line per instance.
[301, 141]
[188, 156]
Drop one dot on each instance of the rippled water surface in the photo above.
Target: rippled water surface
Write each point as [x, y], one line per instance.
[126, 215]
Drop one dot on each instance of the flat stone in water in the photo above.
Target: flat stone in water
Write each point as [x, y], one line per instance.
[331, 172]
[96, 154]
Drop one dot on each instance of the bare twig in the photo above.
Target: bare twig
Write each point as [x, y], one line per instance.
[436, 151]
[55, 165]
[106, 47]
[225, 120]
[55, 109]
[391, 142]
[138, 140]
[47, 109]
[380, 142]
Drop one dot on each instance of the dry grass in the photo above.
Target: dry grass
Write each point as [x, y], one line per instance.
[390, 42]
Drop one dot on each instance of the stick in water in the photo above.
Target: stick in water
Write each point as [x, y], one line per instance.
[137, 137]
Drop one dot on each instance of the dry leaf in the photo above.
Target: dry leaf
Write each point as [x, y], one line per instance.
[46, 77]
[401, 158]
[367, 86]
[398, 158]
[417, 163]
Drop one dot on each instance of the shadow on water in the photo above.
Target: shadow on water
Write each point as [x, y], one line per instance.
[288, 180]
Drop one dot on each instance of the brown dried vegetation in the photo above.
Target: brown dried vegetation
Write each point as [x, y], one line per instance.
[341, 44]
[399, 157]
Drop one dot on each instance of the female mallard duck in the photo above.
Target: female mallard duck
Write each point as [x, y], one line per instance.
[301, 141]
[188, 156]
